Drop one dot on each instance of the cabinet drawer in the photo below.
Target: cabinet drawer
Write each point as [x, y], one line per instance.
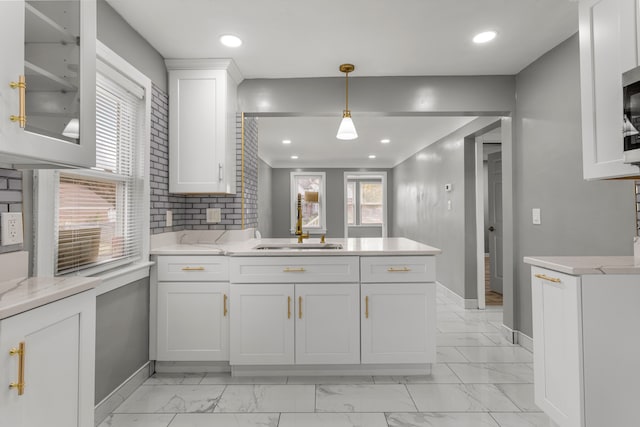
[399, 269]
[193, 268]
[325, 269]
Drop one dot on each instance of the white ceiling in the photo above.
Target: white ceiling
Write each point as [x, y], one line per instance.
[289, 38]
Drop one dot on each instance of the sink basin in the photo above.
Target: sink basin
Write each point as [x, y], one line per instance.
[281, 246]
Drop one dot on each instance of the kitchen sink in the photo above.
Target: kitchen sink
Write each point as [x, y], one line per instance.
[284, 246]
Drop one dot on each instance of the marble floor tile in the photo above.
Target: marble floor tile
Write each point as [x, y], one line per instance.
[444, 316]
[459, 398]
[495, 373]
[440, 373]
[216, 378]
[363, 398]
[466, 326]
[137, 420]
[186, 379]
[171, 399]
[449, 307]
[532, 419]
[449, 355]
[333, 420]
[226, 420]
[267, 398]
[522, 395]
[483, 315]
[499, 340]
[463, 339]
[441, 420]
[355, 379]
[496, 354]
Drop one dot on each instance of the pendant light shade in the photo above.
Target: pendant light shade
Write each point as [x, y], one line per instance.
[72, 129]
[347, 129]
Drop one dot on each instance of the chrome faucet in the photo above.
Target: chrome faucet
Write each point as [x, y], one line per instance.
[299, 233]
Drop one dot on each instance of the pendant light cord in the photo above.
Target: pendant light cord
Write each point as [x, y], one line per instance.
[347, 96]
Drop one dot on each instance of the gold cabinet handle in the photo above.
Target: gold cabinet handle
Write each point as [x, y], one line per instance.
[20, 353]
[548, 278]
[21, 85]
[293, 270]
[299, 307]
[192, 268]
[398, 270]
[366, 307]
[288, 307]
[224, 306]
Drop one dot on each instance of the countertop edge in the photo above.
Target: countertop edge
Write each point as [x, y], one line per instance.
[584, 265]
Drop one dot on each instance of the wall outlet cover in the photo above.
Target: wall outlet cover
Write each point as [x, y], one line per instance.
[12, 231]
[535, 216]
[169, 219]
[214, 215]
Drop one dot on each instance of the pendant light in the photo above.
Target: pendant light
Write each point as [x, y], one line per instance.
[347, 130]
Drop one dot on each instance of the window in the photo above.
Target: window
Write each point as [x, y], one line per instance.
[311, 187]
[364, 206]
[100, 216]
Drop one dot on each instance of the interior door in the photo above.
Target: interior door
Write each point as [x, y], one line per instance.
[494, 165]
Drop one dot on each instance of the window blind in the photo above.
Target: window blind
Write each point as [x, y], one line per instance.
[99, 222]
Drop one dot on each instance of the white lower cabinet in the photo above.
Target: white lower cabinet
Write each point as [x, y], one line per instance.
[585, 351]
[262, 324]
[398, 322]
[58, 341]
[193, 321]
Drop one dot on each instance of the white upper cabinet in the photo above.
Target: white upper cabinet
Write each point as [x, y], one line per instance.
[202, 125]
[50, 118]
[608, 47]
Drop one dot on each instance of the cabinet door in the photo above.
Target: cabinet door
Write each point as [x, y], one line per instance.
[328, 324]
[51, 44]
[198, 132]
[193, 321]
[603, 58]
[557, 335]
[262, 324]
[59, 354]
[398, 322]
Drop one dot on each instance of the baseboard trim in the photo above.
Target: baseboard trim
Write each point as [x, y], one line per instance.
[517, 337]
[120, 394]
[525, 341]
[509, 334]
[191, 367]
[465, 303]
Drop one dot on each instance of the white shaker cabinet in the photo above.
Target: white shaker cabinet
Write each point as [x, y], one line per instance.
[608, 47]
[53, 346]
[585, 351]
[192, 308]
[47, 82]
[202, 125]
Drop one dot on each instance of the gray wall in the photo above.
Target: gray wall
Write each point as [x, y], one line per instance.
[281, 207]
[265, 196]
[420, 204]
[578, 217]
[122, 335]
[120, 37]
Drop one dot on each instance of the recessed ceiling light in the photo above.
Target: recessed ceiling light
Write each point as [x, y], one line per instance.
[230, 41]
[385, 141]
[286, 141]
[484, 37]
[372, 156]
[294, 157]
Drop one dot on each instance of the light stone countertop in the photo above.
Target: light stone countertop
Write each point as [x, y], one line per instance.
[579, 265]
[20, 295]
[353, 246]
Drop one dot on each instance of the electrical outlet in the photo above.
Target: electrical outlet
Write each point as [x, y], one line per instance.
[213, 215]
[535, 216]
[169, 219]
[12, 232]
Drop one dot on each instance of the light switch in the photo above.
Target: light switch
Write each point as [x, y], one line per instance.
[448, 205]
[535, 216]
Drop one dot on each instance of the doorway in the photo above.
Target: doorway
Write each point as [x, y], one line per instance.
[365, 204]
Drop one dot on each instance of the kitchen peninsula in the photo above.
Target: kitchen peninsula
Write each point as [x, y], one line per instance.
[273, 306]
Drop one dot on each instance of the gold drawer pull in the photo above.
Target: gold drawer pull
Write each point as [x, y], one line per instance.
[192, 268]
[21, 85]
[224, 305]
[547, 278]
[366, 307]
[288, 307]
[299, 307]
[294, 270]
[398, 270]
[20, 353]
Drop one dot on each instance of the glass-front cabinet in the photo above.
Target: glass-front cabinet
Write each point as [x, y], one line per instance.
[47, 83]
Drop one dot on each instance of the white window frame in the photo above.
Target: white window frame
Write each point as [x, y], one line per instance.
[322, 200]
[358, 175]
[45, 197]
